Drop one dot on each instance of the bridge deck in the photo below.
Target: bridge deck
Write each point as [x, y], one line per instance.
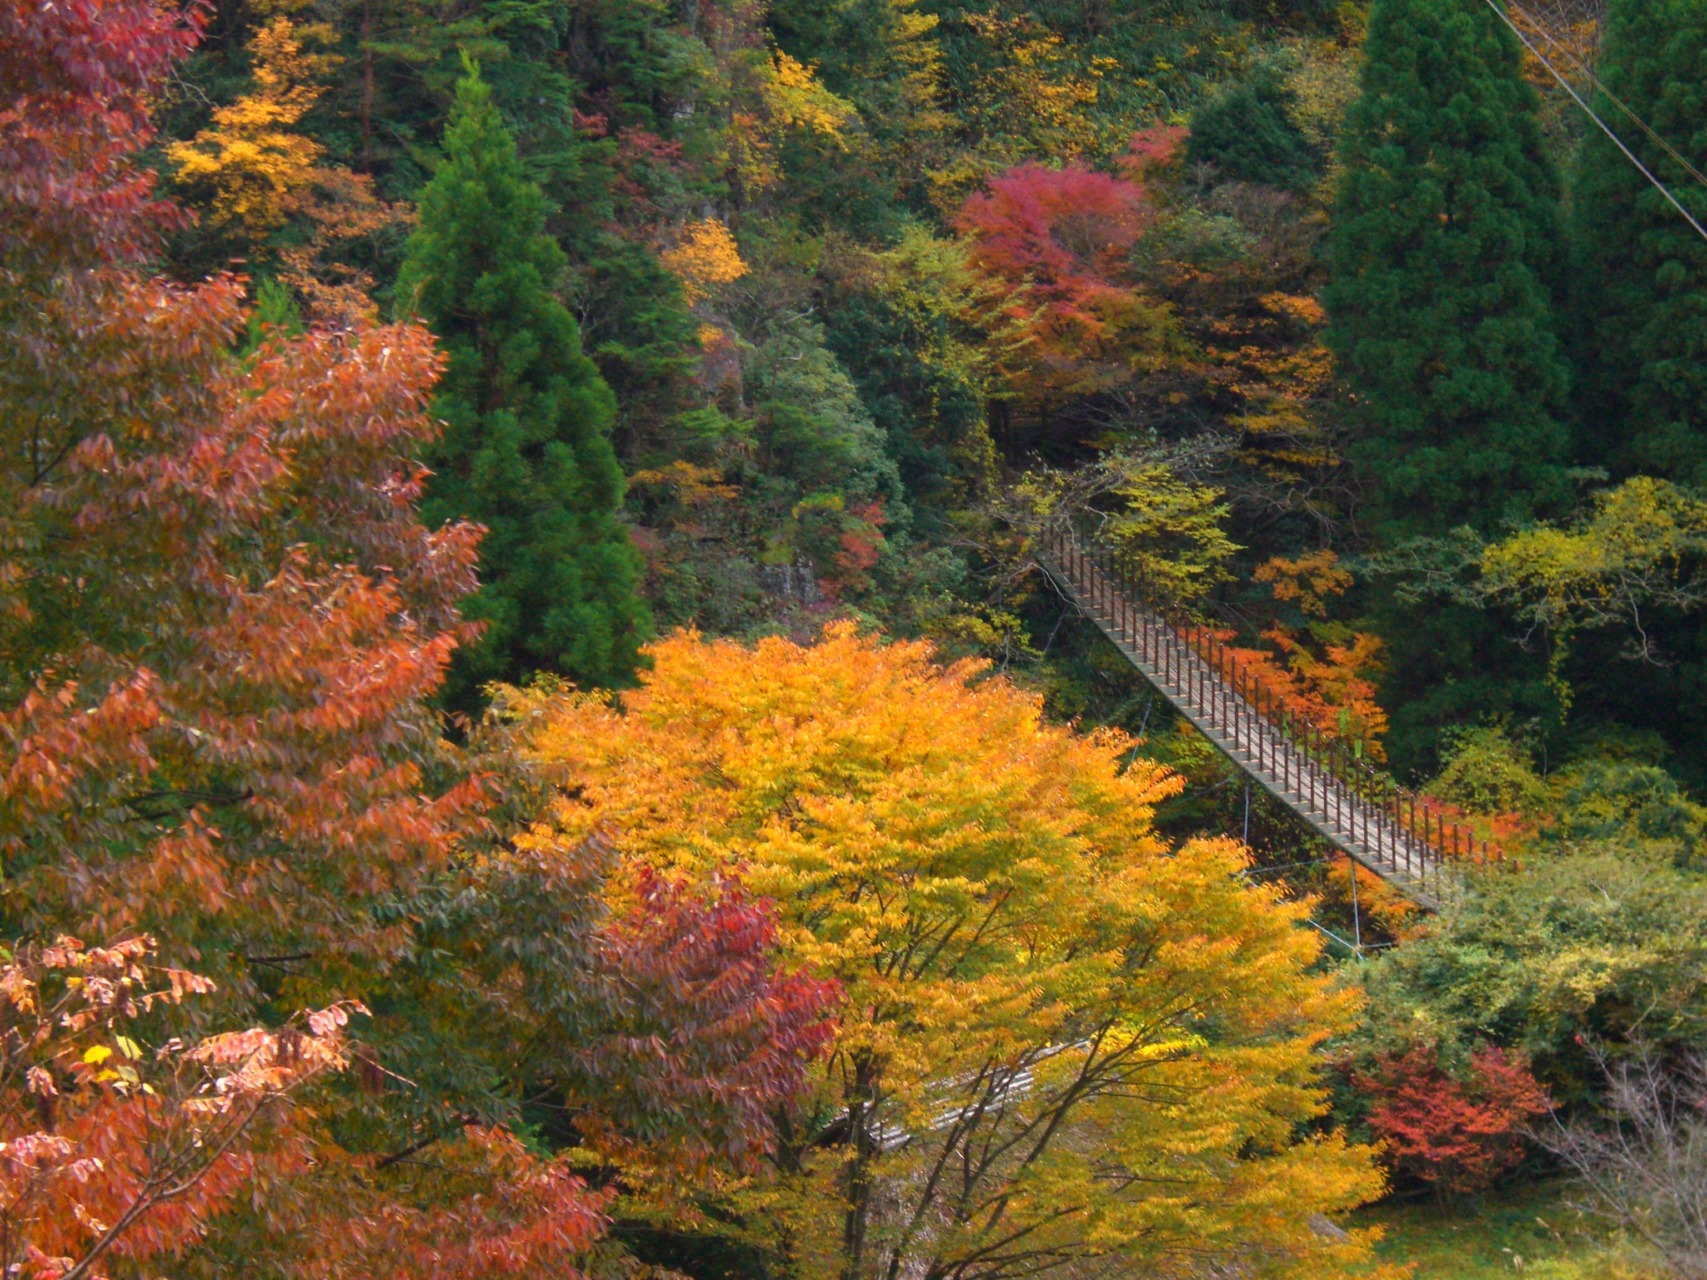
[1340, 797]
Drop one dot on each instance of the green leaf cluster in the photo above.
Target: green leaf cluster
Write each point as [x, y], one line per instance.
[1248, 133]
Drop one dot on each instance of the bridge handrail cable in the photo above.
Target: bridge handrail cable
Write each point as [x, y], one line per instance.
[1362, 810]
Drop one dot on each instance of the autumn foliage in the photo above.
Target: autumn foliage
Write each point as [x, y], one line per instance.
[74, 86]
[327, 954]
[269, 193]
[707, 1029]
[1057, 239]
[989, 893]
[1322, 676]
[254, 156]
[244, 683]
[109, 1151]
[491, 1209]
[705, 258]
[222, 623]
[221, 616]
[1457, 1135]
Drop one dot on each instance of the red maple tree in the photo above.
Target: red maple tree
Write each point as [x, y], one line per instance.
[1456, 1135]
[75, 79]
[1058, 240]
[705, 1028]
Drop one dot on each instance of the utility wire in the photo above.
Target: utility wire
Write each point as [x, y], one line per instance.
[1605, 128]
[1600, 88]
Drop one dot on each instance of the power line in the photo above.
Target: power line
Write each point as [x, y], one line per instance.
[1605, 128]
[1600, 87]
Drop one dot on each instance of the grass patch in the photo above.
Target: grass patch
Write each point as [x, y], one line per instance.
[1520, 1231]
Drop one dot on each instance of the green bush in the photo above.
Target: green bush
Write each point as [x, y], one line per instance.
[1486, 772]
[1567, 951]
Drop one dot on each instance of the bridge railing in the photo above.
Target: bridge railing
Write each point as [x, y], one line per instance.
[1327, 773]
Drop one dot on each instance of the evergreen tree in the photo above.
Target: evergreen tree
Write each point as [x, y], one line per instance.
[526, 450]
[1641, 305]
[1445, 251]
[1247, 132]
[1641, 334]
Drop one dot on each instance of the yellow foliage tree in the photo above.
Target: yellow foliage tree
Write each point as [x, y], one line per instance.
[905, 76]
[704, 258]
[797, 99]
[253, 161]
[1638, 547]
[1170, 530]
[772, 97]
[1063, 1042]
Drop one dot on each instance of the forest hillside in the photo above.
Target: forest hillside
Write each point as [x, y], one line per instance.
[853, 639]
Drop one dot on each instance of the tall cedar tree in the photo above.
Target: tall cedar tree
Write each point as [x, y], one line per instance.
[1445, 251]
[526, 449]
[1641, 311]
[1445, 254]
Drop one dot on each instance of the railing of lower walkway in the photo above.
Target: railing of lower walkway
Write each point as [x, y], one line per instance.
[1326, 782]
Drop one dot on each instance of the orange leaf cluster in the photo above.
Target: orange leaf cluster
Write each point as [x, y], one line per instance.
[109, 1151]
[490, 1209]
[1334, 691]
[1310, 580]
[273, 671]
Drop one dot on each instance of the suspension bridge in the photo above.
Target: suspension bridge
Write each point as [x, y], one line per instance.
[1321, 778]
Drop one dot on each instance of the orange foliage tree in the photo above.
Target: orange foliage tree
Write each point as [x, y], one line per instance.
[221, 626]
[1327, 679]
[704, 258]
[109, 1151]
[1047, 1013]
[221, 617]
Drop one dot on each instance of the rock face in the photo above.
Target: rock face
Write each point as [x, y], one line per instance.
[795, 583]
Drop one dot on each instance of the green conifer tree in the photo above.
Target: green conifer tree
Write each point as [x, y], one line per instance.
[1247, 132]
[1641, 302]
[526, 448]
[1445, 253]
